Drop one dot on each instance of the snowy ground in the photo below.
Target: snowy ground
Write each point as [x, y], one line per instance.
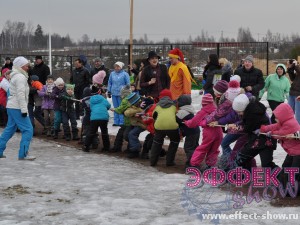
[67, 186]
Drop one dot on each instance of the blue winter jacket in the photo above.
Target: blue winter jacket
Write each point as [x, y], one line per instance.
[116, 81]
[99, 106]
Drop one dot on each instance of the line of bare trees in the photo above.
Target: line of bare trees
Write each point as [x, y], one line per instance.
[17, 35]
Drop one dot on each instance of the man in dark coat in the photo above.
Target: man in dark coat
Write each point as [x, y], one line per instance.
[40, 69]
[81, 78]
[154, 77]
[251, 78]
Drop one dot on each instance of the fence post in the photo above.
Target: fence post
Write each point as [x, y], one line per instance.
[267, 58]
[129, 53]
[100, 51]
[71, 65]
[218, 50]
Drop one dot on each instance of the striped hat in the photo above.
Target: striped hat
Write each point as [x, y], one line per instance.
[207, 99]
[221, 87]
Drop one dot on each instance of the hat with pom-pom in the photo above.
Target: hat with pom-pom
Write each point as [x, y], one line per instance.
[233, 90]
[99, 77]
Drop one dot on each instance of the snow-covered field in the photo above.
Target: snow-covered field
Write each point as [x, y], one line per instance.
[67, 186]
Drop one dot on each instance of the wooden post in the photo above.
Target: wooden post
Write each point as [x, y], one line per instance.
[131, 32]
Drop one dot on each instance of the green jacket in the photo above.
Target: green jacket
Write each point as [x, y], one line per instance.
[278, 88]
[165, 115]
[122, 108]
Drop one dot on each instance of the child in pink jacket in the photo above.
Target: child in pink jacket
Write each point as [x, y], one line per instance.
[286, 125]
[212, 136]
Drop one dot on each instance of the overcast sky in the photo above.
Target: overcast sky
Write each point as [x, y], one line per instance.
[175, 19]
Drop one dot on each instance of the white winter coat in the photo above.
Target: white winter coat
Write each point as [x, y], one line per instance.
[19, 90]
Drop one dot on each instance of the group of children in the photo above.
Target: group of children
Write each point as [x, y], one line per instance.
[243, 116]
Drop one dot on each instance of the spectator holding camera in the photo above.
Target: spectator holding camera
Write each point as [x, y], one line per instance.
[294, 73]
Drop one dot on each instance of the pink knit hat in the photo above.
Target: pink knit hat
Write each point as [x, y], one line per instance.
[99, 77]
[207, 99]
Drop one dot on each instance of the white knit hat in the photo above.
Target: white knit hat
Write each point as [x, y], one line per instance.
[59, 81]
[20, 61]
[120, 64]
[240, 103]
[236, 77]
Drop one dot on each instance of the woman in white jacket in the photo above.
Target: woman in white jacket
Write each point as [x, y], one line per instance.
[17, 109]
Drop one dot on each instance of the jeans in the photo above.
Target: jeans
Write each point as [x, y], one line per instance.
[295, 106]
[15, 120]
[133, 136]
[227, 140]
[118, 118]
[57, 119]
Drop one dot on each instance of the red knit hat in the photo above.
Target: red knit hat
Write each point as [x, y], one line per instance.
[176, 53]
[164, 93]
[207, 99]
[234, 84]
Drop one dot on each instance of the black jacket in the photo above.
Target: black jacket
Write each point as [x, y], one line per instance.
[8, 66]
[294, 73]
[81, 78]
[210, 74]
[147, 75]
[42, 71]
[252, 77]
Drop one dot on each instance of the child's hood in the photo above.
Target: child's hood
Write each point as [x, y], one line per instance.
[283, 113]
[97, 99]
[165, 102]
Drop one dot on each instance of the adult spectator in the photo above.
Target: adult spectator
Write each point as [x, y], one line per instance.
[278, 86]
[294, 73]
[8, 64]
[40, 69]
[251, 78]
[81, 78]
[154, 77]
[17, 109]
[181, 79]
[98, 66]
[212, 74]
[85, 63]
[227, 70]
[117, 80]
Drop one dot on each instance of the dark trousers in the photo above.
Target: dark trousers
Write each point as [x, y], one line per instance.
[3, 116]
[78, 106]
[94, 126]
[273, 104]
[66, 116]
[158, 141]
[256, 145]
[190, 144]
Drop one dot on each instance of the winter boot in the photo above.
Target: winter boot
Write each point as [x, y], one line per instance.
[75, 136]
[55, 135]
[106, 143]
[133, 154]
[67, 137]
[171, 153]
[85, 148]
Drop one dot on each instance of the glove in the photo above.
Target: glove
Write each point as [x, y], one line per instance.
[256, 132]
[24, 114]
[108, 94]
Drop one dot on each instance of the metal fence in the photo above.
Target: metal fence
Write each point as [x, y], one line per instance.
[196, 54]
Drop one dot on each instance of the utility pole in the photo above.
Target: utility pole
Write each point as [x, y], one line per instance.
[131, 31]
